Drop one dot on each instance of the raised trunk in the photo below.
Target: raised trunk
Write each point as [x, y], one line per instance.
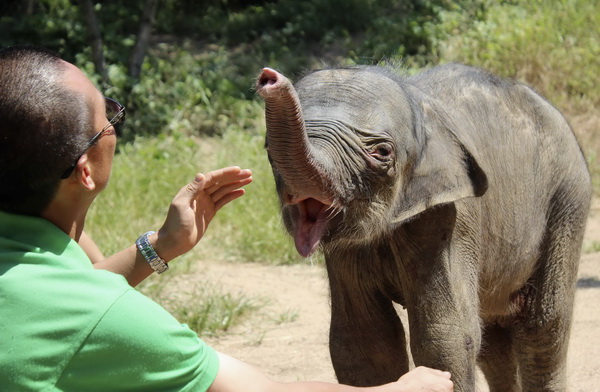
[287, 141]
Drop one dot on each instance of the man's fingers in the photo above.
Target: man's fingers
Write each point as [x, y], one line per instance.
[437, 372]
[229, 198]
[221, 191]
[445, 374]
[215, 179]
[217, 185]
[224, 186]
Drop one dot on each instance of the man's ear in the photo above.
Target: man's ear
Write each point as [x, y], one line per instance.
[83, 171]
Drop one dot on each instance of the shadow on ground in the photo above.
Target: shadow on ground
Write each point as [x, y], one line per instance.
[588, 283]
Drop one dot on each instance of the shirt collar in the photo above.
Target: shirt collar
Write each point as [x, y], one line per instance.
[31, 234]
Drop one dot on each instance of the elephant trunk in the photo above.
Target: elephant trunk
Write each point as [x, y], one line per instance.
[287, 140]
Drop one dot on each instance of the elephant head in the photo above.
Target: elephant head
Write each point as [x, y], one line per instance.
[356, 152]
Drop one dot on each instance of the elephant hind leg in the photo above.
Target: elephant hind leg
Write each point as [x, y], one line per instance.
[542, 336]
[498, 361]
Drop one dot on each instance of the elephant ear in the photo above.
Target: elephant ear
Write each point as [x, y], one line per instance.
[446, 169]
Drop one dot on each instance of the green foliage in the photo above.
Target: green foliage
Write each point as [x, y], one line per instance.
[552, 45]
[291, 22]
[56, 25]
[292, 36]
[183, 91]
[592, 150]
[398, 29]
[200, 73]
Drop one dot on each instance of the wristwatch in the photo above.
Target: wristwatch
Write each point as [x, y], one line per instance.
[147, 250]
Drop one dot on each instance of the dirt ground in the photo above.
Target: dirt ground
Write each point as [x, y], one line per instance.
[288, 337]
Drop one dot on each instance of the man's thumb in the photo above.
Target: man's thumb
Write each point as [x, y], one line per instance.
[196, 186]
[199, 178]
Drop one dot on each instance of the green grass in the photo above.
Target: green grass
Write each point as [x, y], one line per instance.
[251, 229]
[204, 306]
[288, 316]
[207, 308]
[591, 247]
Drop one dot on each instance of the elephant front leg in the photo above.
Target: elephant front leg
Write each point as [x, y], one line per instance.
[447, 340]
[367, 340]
[439, 272]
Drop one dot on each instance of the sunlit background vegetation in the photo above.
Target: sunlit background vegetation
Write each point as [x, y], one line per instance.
[193, 108]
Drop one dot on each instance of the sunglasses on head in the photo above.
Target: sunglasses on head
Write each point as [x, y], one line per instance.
[116, 113]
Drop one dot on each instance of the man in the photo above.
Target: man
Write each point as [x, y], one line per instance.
[69, 320]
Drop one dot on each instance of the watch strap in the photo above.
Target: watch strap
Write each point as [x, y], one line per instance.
[147, 250]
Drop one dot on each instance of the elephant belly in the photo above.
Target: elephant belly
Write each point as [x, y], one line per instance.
[506, 308]
[507, 248]
[504, 286]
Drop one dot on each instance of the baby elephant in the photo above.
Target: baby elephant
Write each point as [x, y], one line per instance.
[455, 193]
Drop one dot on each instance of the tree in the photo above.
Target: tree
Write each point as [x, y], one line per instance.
[143, 37]
[94, 38]
[141, 44]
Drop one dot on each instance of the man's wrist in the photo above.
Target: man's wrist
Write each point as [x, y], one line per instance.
[147, 250]
[164, 244]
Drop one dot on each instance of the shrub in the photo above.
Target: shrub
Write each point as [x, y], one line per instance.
[551, 45]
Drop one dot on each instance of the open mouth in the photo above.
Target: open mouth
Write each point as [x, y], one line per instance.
[311, 224]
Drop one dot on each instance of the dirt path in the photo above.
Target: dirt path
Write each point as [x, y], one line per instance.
[288, 338]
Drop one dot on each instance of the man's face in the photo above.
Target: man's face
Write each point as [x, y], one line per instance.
[101, 154]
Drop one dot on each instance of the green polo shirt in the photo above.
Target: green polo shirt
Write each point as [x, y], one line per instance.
[65, 326]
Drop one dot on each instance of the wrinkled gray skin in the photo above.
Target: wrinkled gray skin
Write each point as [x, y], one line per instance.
[459, 195]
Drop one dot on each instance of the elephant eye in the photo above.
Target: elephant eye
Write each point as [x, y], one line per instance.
[382, 151]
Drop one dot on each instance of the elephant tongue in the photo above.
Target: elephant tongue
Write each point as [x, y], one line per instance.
[311, 225]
